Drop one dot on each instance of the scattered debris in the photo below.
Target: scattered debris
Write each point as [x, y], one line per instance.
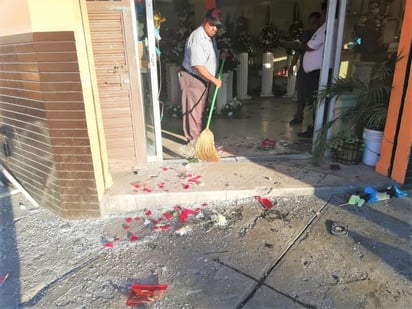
[371, 195]
[334, 167]
[265, 202]
[184, 230]
[141, 294]
[266, 143]
[338, 229]
[219, 219]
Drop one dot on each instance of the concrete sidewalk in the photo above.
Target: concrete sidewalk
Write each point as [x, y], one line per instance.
[228, 255]
[179, 181]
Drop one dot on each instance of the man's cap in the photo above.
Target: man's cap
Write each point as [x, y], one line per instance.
[214, 16]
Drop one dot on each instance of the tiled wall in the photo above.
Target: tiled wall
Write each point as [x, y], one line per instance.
[43, 132]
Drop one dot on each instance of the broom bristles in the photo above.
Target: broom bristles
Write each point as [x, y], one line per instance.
[205, 146]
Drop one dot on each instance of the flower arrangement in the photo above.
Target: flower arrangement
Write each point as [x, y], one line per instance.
[268, 37]
[174, 110]
[232, 108]
[368, 32]
[224, 44]
[245, 43]
[173, 41]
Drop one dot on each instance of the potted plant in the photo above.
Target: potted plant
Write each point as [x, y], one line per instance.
[367, 116]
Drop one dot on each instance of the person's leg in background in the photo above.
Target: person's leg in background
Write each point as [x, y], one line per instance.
[312, 87]
[301, 97]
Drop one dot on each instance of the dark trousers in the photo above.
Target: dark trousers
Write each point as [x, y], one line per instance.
[310, 90]
[301, 77]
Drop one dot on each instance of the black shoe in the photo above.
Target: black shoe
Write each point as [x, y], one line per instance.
[307, 134]
[295, 121]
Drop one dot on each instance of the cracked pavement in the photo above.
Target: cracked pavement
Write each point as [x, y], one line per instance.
[232, 254]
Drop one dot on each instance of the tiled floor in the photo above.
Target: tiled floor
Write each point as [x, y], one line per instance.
[260, 119]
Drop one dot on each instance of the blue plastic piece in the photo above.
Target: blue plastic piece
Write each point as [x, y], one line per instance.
[398, 193]
[372, 193]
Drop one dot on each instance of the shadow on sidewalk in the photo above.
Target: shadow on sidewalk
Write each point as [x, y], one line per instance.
[9, 255]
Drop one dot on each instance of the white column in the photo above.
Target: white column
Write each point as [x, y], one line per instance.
[230, 86]
[242, 77]
[291, 81]
[221, 98]
[267, 75]
[173, 93]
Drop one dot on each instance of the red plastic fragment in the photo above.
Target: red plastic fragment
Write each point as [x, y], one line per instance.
[146, 189]
[186, 186]
[148, 212]
[204, 204]
[141, 294]
[265, 202]
[128, 219]
[165, 169]
[177, 207]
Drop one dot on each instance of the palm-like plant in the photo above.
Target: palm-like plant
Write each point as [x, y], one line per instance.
[370, 110]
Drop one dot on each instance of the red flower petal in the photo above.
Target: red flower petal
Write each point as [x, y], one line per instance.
[165, 169]
[162, 227]
[186, 186]
[167, 215]
[204, 204]
[128, 219]
[108, 244]
[154, 221]
[137, 218]
[148, 213]
[265, 202]
[136, 185]
[3, 278]
[133, 237]
[184, 214]
[177, 207]
[145, 189]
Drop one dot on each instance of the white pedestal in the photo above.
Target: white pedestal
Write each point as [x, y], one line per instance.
[267, 75]
[230, 86]
[173, 92]
[291, 86]
[222, 99]
[242, 77]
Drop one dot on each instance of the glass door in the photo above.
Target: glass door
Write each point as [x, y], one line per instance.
[146, 40]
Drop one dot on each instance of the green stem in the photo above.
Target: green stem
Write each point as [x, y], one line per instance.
[219, 76]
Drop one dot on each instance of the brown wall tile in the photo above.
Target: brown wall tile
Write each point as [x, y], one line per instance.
[42, 117]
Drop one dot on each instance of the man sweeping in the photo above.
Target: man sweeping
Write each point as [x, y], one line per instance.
[199, 67]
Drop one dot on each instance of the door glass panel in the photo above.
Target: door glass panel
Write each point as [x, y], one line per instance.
[148, 71]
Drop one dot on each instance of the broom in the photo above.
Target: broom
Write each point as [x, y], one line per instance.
[205, 144]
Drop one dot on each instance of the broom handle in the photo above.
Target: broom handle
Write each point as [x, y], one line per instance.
[219, 76]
